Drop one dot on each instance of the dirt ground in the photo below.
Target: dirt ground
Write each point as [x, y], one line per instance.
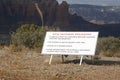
[34, 66]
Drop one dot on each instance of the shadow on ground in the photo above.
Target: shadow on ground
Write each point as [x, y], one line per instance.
[93, 62]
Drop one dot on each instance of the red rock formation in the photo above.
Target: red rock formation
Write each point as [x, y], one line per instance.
[22, 11]
[62, 14]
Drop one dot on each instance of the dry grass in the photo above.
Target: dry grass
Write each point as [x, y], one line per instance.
[1, 47]
[13, 48]
[29, 65]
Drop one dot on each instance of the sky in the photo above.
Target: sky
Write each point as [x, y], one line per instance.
[94, 2]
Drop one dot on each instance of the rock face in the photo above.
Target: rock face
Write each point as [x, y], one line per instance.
[17, 12]
[13, 13]
[24, 11]
[62, 14]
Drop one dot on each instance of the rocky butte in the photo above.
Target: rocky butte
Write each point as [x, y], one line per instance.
[13, 13]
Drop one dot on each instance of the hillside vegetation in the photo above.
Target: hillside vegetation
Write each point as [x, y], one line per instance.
[32, 36]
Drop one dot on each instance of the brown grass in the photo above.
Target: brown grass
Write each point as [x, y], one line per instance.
[30, 65]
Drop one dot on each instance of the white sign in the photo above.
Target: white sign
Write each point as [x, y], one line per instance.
[70, 43]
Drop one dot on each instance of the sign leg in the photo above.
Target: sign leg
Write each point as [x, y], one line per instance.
[50, 59]
[81, 60]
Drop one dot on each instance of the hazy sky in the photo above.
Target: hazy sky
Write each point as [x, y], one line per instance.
[94, 2]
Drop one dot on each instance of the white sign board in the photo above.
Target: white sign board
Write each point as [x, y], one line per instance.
[70, 43]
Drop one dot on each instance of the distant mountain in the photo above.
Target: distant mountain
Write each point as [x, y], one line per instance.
[97, 14]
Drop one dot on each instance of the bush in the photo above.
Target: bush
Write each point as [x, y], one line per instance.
[30, 35]
[4, 41]
[108, 46]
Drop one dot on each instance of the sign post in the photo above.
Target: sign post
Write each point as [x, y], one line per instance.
[81, 57]
[70, 43]
[50, 59]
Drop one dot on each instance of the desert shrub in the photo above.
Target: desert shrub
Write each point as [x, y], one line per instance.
[30, 35]
[108, 46]
[4, 41]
